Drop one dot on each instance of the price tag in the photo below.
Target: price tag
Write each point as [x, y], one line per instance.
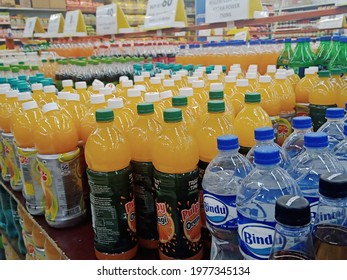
[71, 21]
[330, 22]
[241, 36]
[106, 19]
[223, 11]
[160, 13]
[53, 24]
[29, 27]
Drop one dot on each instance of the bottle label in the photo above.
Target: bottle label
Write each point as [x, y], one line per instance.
[275, 122]
[284, 128]
[113, 210]
[220, 210]
[12, 161]
[302, 109]
[5, 175]
[178, 215]
[146, 216]
[61, 182]
[206, 235]
[255, 237]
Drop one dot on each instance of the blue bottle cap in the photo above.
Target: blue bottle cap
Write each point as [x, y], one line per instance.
[316, 140]
[325, 38]
[287, 40]
[302, 122]
[227, 142]
[336, 38]
[335, 113]
[301, 40]
[264, 133]
[343, 39]
[345, 129]
[266, 155]
[182, 47]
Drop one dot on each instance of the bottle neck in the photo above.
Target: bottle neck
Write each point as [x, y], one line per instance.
[295, 231]
[104, 124]
[229, 152]
[267, 166]
[317, 150]
[264, 142]
[335, 120]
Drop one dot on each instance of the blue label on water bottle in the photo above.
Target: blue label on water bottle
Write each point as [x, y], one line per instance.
[220, 210]
[255, 237]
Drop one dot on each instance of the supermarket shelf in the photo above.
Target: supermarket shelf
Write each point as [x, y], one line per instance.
[5, 24]
[304, 7]
[31, 9]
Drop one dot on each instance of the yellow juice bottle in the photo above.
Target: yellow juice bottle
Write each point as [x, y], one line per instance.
[134, 97]
[169, 84]
[61, 99]
[165, 98]
[238, 98]
[123, 91]
[189, 120]
[107, 92]
[292, 77]
[271, 71]
[200, 93]
[302, 92]
[37, 90]
[193, 103]
[154, 97]
[123, 116]
[178, 81]
[155, 85]
[81, 89]
[48, 96]
[140, 80]
[252, 80]
[68, 86]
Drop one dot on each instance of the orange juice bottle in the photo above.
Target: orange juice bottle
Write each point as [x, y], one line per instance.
[271, 71]
[190, 81]
[211, 79]
[56, 140]
[39, 242]
[107, 92]
[161, 76]
[169, 84]
[199, 92]
[140, 80]
[61, 99]
[122, 91]
[292, 77]
[336, 79]
[134, 97]
[68, 86]
[250, 117]
[166, 73]
[22, 97]
[146, 76]
[37, 90]
[155, 85]
[238, 98]
[96, 87]
[49, 95]
[179, 83]
[175, 157]
[154, 97]
[141, 139]
[189, 120]
[229, 85]
[184, 74]
[285, 91]
[123, 116]
[302, 92]
[165, 98]
[321, 97]
[193, 103]
[23, 126]
[252, 80]
[119, 86]
[81, 89]
[108, 158]
[217, 93]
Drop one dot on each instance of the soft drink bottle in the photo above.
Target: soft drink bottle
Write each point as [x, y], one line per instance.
[123, 116]
[189, 120]
[166, 97]
[310, 164]
[255, 202]
[68, 86]
[238, 98]
[81, 89]
[285, 55]
[264, 136]
[221, 181]
[141, 139]
[302, 57]
[334, 126]
[340, 150]
[169, 84]
[338, 60]
[177, 196]
[302, 92]
[49, 95]
[56, 141]
[109, 162]
[330, 227]
[323, 49]
[154, 97]
[293, 238]
[250, 117]
[294, 144]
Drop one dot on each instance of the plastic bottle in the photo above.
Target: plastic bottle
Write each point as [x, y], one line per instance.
[302, 92]
[302, 57]
[271, 71]
[285, 55]
[5, 173]
[264, 136]
[176, 181]
[107, 92]
[310, 164]
[169, 84]
[166, 97]
[49, 95]
[340, 150]
[141, 139]
[336, 81]
[334, 126]
[338, 60]
[193, 103]
[154, 97]
[325, 43]
[189, 120]
[39, 243]
[109, 161]
[134, 97]
[25, 125]
[56, 141]
[199, 92]
[217, 93]
[321, 98]
[155, 85]
[292, 77]
[140, 80]
[285, 90]
[81, 89]
[330, 228]
[88, 124]
[61, 99]
[292, 239]
[249, 118]
[238, 98]
[252, 80]
[220, 183]
[68, 86]
[123, 116]
[255, 202]
[123, 90]
[37, 90]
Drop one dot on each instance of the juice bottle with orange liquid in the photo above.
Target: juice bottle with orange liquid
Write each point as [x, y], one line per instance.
[229, 85]
[88, 124]
[165, 98]
[336, 79]
[61, 99]
[140, 80]
[39, 242]
[37, 90]
[302, 91]
[5, 174]
[177, 198]
[154, 97]
[107, 92]
[141, 139]
[250, 117]
[252, 80]
[56, 141]
[271, 71]
[292, 77]
[25, 125]
[238, 98]
[68, 86]
[81, 89]
[189, 120]
[193, 103]
[111, 183]
[169, 84]
[320, 98]
[217, 93]
[96, 87]
[199, 92]
[123, 116]
[190, 81]
[134, 97]
[49, 95]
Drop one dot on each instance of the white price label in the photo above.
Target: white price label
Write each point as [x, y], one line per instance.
[106, 19]
[226, 10]
[29, 27]
[241, 36]
[160, 13]
[71, 21]
[53, 24]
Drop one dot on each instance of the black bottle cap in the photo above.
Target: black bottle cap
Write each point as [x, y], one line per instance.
[292, 210]
[333, 185]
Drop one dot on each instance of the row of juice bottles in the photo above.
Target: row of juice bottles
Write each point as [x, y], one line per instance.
[22, 237]
[65, 128]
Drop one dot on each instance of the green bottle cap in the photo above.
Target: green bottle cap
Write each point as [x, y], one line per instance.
[21, 63]
[145, 108]
[172, 115]
[35, 68]
[336, 71]
[216, 95]
[324, 74]
[215, 106]
[15, 70]
[7, 68]
[104, 115]
[179, 101]
[44, 60]
[252, 97]
[52, 60]
[26, 67]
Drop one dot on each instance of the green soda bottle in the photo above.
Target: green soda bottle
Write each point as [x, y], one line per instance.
[303, 56]
[323, 49]
[333, 50]
[286, 54]
[340, 59]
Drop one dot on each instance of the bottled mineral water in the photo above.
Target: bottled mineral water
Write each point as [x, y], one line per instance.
[340, 150]
[222, 179]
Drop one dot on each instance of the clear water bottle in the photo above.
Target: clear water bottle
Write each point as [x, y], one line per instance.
[222, 179]
[255, 202]
[330, 226]
[309, 165]
[334, 126]
[294, 144]
[340, 150]
[293, 238]
[264, 136]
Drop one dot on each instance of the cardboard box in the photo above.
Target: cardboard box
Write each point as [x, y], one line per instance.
[25, 3]
[8, 3]
[57, 4]
[40, 4]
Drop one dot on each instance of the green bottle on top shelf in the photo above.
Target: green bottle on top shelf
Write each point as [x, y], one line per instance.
[340, 59]
[323, 49]
[286, 54]
[333, 50]
[303, 57]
